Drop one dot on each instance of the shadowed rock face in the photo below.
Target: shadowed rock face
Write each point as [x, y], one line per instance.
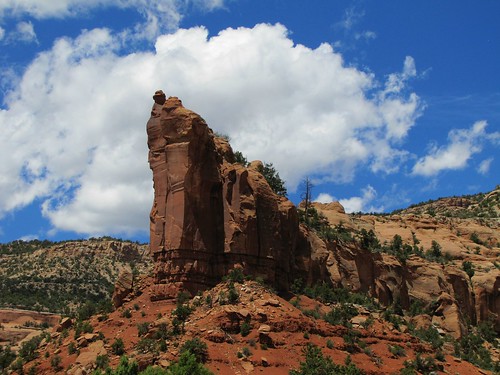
[209, 214]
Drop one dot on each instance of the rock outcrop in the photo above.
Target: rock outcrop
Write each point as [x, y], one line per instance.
[211, 214]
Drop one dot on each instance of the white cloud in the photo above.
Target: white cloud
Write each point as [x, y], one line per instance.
[159, 15]
[73, 129]
[25, 32]
[463, 144]
[2, 33]
[397, 81]
[324, 198]
[362, 203]
[366, 35]
[484, 166]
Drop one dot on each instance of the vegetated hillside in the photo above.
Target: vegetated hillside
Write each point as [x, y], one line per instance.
[57, 277]
[242, 327]
[481, 205]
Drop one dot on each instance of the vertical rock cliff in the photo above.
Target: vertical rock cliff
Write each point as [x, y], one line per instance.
[210, 214]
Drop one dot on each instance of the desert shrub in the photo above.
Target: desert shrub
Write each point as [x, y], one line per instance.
[422, 365]
[316, 364]
[102, 361]
[468, 268]
[325, 293]
[181, 312]
[430, 335]
[329, 344]
[71, 348]
[83, 327]
[312, 313]
[142, 328]
[6, 357]
[232, 296]
[486, 330]
[236, 275]
[475, 238]
[126, 314]
[147, 346]
[245, 352]
[341, 315]
[435, 253]
[188, 364]
[125, 367]
[416, 308]
[118, 347]
[397, 350]
[196, 347]
[471, 348]
[351, 340]
[55, 362]
[245, 328]
[28, 348]
[17, 366]
[368, 240]
[161, 332]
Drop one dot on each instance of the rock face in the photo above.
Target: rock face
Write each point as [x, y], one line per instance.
[210, 214]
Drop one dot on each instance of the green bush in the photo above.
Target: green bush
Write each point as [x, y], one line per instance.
[28, 348]
[196, 347]
[233, 296]
[142, 328]
[430, 335]
[422, 365]
[6, 357]
[471, 349]
[188, 364]
[71, 348]
[236, 275]
[245, 328]
[147, 346]
[341, 315]
[102, 361]
[55, 362]
[329, 344]
[118, 347]
[316, 364]
[468, 268]
[397, 350]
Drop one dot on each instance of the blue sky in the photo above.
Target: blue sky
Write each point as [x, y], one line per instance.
[381, 104]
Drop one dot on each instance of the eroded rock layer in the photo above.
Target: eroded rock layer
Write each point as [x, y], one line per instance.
[209, 213]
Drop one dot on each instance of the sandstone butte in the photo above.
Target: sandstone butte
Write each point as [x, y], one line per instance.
[211, 215]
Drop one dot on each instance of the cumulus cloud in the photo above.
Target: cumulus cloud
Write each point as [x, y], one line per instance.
[159, 15]
[2, 33]
[73, 129]
[463, 144]
[324, 198]
[484, 166]
[362, 203]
